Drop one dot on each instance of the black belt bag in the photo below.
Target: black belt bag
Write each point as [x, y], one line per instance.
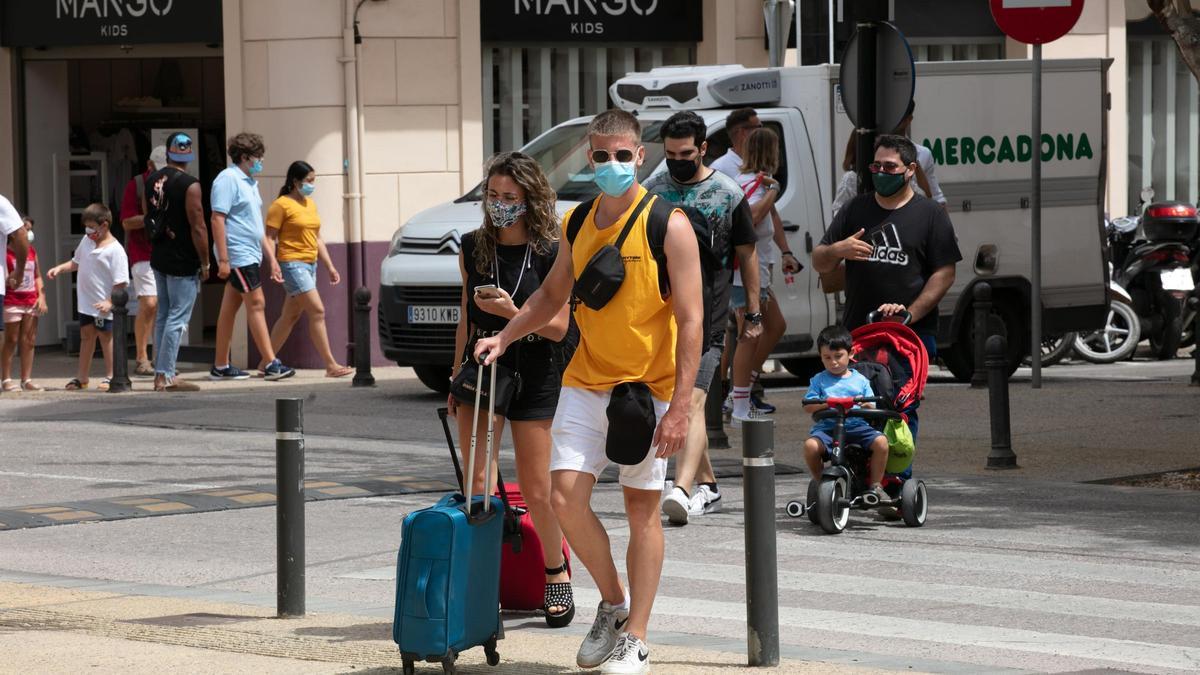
[601, 278]
[508, 385]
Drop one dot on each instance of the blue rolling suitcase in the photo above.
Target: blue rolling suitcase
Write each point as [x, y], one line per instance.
[448, 573]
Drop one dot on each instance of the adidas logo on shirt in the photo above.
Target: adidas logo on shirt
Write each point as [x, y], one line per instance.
[888, 247]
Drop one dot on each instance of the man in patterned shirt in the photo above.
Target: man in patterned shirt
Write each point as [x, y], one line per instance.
[689, 183]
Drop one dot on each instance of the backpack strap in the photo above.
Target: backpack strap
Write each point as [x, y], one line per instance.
[578, 215]
[656, 234]
[637, 212]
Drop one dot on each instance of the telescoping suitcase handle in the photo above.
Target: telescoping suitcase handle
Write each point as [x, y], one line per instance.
[443, 412]
[444, 415]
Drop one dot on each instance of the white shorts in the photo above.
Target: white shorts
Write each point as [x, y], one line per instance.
[141, 277]
[579, 432]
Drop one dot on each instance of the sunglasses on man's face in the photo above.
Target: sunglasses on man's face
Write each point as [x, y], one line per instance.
[603, 156]
[182, 143]
[887, 167]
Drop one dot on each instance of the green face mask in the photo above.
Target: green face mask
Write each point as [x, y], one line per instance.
[888, 184]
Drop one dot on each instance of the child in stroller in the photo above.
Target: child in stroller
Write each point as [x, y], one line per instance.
[840, 381]
[867, 469]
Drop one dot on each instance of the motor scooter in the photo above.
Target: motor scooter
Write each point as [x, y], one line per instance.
[1151, 258]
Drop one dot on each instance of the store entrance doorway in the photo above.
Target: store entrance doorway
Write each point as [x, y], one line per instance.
[90, 124]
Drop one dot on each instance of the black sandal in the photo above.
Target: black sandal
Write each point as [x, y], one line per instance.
[559, 594]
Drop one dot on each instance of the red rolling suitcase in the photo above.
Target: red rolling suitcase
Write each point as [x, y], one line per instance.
[522, 569]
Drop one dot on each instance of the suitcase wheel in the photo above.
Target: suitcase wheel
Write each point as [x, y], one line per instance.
[409, 668]
[448, 666]
[489, 650]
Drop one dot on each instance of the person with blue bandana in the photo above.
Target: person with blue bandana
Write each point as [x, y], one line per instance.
[241, 242]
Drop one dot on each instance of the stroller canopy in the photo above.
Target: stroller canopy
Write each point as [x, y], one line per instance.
[897, 348]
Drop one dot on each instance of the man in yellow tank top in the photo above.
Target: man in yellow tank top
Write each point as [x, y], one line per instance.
[638, 336]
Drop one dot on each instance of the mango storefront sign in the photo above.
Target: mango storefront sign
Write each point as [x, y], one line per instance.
[67, 23]
[986, 149]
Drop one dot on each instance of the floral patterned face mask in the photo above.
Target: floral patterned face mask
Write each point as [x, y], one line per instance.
[504, 214]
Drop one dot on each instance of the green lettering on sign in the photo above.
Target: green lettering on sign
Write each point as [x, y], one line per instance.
[1084, 151]
[970, 150]
[1065, 146]
[1024, 148]
[1006, 151]
[967, 145]
[987, 144]
[936, 150]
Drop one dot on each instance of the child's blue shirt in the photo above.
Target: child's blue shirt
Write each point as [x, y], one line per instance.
[826, 385]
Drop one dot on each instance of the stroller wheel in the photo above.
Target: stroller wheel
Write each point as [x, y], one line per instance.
[914, 503]
[794, 508]
[832, 515]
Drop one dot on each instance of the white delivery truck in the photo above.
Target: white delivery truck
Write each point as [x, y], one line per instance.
[974, 116]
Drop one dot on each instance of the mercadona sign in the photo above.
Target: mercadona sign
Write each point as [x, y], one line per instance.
[986, 149]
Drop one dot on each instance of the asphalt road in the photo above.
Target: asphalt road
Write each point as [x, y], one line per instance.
[1032, 570]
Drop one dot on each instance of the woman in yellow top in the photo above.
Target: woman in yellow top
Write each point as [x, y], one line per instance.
[294, 226]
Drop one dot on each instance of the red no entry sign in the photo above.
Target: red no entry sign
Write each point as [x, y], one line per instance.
[1036, 22]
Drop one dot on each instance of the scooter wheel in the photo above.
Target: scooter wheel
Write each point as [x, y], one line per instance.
[794, 509]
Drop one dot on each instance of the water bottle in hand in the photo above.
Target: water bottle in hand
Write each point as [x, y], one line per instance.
[789, 281]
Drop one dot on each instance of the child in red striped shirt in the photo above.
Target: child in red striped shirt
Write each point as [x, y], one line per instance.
[22, 307]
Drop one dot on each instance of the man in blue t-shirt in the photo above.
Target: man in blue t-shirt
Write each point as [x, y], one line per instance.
[839, 381]
[241, 241]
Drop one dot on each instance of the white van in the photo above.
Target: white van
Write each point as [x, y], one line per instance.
[974, 116]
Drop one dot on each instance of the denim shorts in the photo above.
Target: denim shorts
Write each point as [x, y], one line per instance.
[298, 277]
[862, 435]
[737, 297]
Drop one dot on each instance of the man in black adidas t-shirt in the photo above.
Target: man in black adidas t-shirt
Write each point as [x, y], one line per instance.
[899, 247]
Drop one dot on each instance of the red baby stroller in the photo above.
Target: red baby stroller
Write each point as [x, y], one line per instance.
[891, 356]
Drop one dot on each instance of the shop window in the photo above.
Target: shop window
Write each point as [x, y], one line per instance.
[528, 90]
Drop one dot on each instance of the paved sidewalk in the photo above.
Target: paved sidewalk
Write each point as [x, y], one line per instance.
[52, 369]
[45, 629]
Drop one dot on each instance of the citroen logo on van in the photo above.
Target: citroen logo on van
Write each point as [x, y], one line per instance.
[450, 243]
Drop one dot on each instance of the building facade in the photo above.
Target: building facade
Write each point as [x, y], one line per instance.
[403, 118]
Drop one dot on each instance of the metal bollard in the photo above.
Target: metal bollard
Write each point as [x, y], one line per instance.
[362, 338]
[762, 580]
[120, 350]
[982, 312]
[713, 419]
[1002, 455]
[289, 507]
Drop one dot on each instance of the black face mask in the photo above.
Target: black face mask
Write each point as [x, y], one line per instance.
[683, 170]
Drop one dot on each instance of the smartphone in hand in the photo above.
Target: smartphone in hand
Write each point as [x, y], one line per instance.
[487, 291]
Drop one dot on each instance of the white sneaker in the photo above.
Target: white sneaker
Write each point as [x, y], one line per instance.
[601, 640]
[676, 506]
[736, 420]
[706, 500]
[631, 655]
[727, 406]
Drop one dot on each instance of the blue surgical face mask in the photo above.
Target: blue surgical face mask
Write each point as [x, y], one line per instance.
[615, 178]
[307, 189]
[504, 214]
[256, 167]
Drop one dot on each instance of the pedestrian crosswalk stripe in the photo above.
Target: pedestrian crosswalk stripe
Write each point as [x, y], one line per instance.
[1127, 652]
[843, 548]
[914, 589]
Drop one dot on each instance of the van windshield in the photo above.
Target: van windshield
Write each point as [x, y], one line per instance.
[563, 154]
